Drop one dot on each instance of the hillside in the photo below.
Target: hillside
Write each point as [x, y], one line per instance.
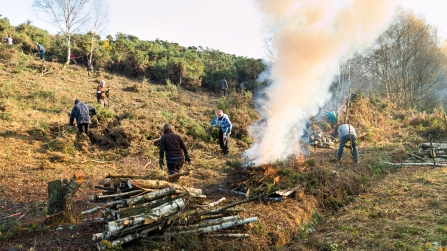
[340, 206]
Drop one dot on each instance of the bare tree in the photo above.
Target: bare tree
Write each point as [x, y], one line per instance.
[99, 17]
[67, 15]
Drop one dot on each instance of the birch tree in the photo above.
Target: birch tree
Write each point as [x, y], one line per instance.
[99, 18]
[67, 15]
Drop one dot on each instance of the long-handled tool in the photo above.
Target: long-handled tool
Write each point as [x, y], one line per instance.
[432, 151]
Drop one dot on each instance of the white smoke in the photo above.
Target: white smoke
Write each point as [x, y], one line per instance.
[315, 36]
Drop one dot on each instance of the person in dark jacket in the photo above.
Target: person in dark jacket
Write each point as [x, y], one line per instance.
[176, 151]
[224, 86]
[81, 112]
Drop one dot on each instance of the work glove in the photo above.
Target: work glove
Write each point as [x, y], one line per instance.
[187, 158]
[161, 164]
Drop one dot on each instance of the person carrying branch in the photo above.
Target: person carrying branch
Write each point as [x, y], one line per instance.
[102, 93]
[346, 132]
[176, 151]
[222, 121]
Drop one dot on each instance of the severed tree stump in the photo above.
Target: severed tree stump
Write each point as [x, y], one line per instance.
[60, 194]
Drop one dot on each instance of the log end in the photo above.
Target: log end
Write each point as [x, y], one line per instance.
[79, 177]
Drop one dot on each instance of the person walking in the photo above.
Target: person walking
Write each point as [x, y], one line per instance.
[222, 121]
[346, 132]
[41, 51]
[224, 86]
[102, 93]
[176, 151]
[80, 112]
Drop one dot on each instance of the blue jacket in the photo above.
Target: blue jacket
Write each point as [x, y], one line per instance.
[40, 48]
[81, 112]
[225, 126]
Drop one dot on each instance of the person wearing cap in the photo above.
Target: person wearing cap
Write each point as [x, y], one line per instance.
[101, 93]
[41, 51]
[176, 151]
[80, 112]
[224, 86]
[222, 121]
[346, 132]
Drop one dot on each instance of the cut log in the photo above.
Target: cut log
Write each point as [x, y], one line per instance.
[60, 194]
[128, 238]
[414, 164]
[119, 194]
[109, 204]
[436, 146]
[229, 235]
[153, 215]
[143, 208]
[159, 184]
[151, 196]
[205, 223]
[217, 227]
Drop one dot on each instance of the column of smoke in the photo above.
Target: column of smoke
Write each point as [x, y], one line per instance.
[315, 35]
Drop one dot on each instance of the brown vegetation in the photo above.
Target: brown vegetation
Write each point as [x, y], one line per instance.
[37, 146]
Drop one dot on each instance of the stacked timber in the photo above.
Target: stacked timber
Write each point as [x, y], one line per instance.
[429, 152]
[132, 207]
[321, 140]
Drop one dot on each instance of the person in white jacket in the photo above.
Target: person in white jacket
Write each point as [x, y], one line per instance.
[346, 132]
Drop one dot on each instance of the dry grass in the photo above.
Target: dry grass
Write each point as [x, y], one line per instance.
[37, 146]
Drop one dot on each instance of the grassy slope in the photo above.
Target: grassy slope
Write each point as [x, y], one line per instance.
[37, 146]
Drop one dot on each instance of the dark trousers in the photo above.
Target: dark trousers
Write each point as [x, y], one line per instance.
[175, 164]
[223, 143]
[83, 128]
[225, 91]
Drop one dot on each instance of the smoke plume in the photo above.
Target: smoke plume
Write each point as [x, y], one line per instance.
[314, 37]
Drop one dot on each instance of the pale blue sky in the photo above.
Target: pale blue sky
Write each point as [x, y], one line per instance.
[231, 26]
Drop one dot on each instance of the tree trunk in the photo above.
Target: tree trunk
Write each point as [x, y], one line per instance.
[60, 194]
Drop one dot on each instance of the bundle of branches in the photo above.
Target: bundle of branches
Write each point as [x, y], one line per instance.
[133, 207]
[255, 181]
[321, 139]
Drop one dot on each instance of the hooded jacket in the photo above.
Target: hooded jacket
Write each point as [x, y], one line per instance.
[225, 126]
[81, 112]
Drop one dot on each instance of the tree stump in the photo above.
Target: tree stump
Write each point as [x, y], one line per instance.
[60, 194]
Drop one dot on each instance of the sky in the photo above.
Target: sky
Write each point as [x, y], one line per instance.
[231, 26]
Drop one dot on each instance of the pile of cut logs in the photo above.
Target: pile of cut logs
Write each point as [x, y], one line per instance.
[321, 140]
[134, 207]
[431, 152]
